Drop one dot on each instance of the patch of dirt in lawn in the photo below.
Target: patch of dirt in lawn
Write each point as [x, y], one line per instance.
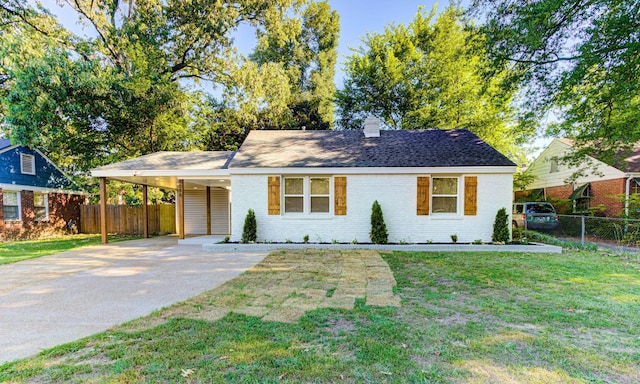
[486, 371]
[286, 284]
[340, 325]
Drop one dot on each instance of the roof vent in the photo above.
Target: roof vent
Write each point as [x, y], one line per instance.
[371, 127]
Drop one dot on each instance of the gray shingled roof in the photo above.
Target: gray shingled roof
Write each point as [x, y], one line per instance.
[4, 143]
[626, 162]
[424, 148]
[172, 161]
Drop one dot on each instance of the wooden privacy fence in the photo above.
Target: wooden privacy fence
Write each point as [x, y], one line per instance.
[123, 219]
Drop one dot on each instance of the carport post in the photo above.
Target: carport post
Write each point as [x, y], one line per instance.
[103, 209]
[208, 210]
[145, 213]
[180, 209]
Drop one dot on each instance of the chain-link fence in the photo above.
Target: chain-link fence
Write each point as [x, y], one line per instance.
[600, 230]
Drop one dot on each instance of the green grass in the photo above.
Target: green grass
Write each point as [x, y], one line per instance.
[11, 252]
[465, 318]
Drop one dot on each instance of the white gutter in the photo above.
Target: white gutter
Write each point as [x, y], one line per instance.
[21, 187]
[311, 170]
[183, 173]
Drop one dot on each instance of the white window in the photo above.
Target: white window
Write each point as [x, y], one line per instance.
[11, 206]
[41, 206]
[293, 194]
[320, 194]
[444, 196]
[553, 163]
[308, 194]
[27, 164]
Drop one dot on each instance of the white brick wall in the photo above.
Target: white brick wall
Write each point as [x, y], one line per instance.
[397, 196]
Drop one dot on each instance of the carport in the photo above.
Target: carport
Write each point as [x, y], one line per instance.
[201, 181]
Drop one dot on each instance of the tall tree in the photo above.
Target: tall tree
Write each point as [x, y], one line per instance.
[117, 93]
[429, 74]
[304, 48]
[579, 59]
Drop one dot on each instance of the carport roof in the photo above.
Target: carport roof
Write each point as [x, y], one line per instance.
[163, 168]
[171, 162]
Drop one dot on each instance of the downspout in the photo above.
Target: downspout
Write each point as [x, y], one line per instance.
[627, 191]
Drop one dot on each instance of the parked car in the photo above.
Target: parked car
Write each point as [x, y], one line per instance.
[536, 215]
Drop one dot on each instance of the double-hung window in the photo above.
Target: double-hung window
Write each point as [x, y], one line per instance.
[11, 206]
[320, 194]
[293, 194]
[307, 194]
[444, 198]
[40, 207]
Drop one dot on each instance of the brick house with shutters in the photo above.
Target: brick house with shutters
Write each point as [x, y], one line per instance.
[602, 186]
[35, 195]
[430, 183]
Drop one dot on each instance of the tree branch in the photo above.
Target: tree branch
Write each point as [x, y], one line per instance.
[565, 58]
[116, 58]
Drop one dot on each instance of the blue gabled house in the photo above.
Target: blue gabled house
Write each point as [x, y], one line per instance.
[35, 195]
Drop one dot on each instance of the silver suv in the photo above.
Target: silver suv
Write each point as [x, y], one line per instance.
[536, 215]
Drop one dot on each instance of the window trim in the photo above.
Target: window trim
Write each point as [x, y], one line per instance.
[459, 195]
[46, 207]
[26, 156]
[306, 195]
[19, 206]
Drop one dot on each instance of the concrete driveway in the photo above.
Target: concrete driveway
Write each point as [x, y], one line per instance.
[56, 299]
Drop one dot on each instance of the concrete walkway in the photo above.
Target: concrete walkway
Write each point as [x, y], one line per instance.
[57, 299]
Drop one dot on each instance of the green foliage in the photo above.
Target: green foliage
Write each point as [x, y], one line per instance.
[379, 234]
[549, 239]
[250, 228]
[304, 49]
[430, 74]
[576, 59]
[522, 180]
[633, 205]
[118, 91]
[501, 232]
[454, 238]
[562, 206]
[305, 239]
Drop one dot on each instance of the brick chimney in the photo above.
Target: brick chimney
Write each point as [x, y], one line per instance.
[371, 127]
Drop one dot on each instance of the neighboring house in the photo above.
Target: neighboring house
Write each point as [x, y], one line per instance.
[34, 193]
[606, 186]
[431, 184]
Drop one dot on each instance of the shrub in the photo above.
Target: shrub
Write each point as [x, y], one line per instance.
[562, 206]
[250, 228]
[454, 238]
[501, 227]
[379, 234]
[305, 239]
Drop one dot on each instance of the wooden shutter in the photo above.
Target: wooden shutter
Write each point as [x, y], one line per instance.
[274, 195]
[422, 201]
[340, 195]
[470, 195]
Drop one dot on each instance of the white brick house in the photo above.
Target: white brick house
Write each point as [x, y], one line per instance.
[431, 184]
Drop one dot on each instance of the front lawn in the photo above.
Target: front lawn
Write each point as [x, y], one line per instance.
[465, 318]
[13, 251]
